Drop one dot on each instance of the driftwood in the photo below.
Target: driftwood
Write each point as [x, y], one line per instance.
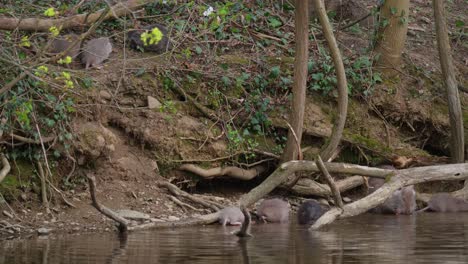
[40, 24]
[233, 172]
[400, 179]
[123, 223]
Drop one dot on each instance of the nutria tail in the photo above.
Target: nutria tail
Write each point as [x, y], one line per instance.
[422, 210]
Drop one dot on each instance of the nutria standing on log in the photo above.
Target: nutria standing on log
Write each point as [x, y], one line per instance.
[309, 212]
[273, 210]
[231, 215]
[62, 43]
[136, 43]
[444, 202]
[96, 51]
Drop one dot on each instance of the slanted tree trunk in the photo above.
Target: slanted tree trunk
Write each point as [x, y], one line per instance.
[300, 80]
[338, 127]
[391, 36]
[457, 143]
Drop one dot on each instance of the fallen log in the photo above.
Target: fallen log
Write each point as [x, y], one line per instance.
[400, 179]
[43, 24]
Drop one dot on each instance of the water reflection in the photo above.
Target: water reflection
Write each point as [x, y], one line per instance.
[424, 238]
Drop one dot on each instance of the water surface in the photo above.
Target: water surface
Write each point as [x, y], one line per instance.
[423, 238]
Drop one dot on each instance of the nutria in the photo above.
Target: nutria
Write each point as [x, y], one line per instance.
[231, 215]
[309, 212]
[96, 51]
[273, 210]
[134, 37]
[62, 43]
[402, 201]
[444, 202]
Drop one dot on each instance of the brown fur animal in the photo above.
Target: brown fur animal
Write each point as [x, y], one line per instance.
[444, 202]
[96, 51]
[273, 210]
[231, 215]
[62, 43]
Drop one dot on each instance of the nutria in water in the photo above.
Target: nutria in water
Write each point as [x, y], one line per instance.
[444, 202]
[96, 51]
[231, 215]
[309, 212]
[273, 210]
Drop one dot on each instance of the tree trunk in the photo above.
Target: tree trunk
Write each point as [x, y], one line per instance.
[456, 122]
[300, 80]
[391, 36]
[338, 127]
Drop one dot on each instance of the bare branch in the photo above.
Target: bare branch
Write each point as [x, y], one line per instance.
[5, 167]
[331, 183]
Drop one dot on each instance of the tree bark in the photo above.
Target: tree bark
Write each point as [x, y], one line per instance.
[335, 138]
[457, 143]
[300, 80]
[391, 36]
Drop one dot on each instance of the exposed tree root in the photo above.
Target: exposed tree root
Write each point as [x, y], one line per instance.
[400, 179]
[174, 190]
[233, 172]
[5, 167]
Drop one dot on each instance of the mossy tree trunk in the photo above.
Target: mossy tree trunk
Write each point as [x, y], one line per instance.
[391, 36]
[446, 63]
[300, 81]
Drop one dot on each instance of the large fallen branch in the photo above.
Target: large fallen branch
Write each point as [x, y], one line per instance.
[281, 174]
[400, 179]
[233, 172]
[43, 24]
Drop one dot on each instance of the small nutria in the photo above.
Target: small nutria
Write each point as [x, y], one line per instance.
[309, 212]
[60, 44]
[96, 51]
[444, 202]
[231, 215]
[134, 37]
[273, 210]
[408, 199]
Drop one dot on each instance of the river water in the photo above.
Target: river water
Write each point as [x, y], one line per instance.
[423, 238]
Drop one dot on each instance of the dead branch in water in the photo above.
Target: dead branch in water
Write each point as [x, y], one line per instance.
[330, 181]
[233, 172]
[123, 223]
[400, 179]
